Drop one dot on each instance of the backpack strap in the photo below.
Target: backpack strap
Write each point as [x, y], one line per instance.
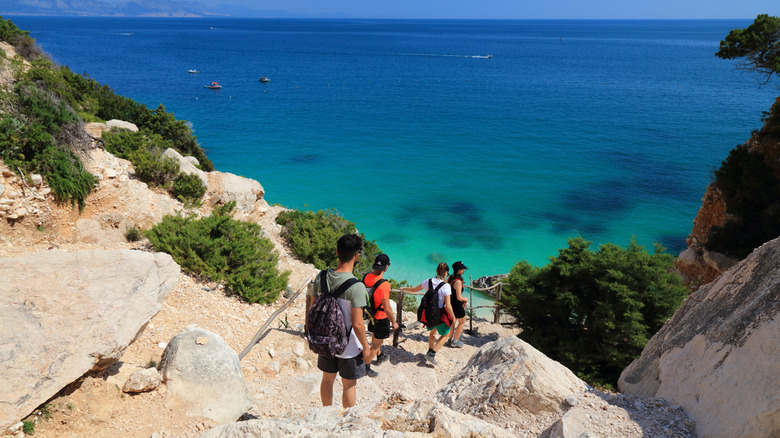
[373, 290]
[324, 282]
[344, 286]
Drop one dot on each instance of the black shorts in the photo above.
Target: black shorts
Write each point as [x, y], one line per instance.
[353, 368]
[381, 329]
[457, 308]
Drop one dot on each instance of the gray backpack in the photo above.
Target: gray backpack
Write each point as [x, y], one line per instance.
[327, 333]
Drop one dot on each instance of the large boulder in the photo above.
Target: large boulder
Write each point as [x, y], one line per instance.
[719, 355]
[66, 313]
[187, 165]
[203, 377]
[248, 194]
[508, 380]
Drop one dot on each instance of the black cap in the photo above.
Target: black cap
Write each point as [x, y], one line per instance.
[381, 262]
[458, 266]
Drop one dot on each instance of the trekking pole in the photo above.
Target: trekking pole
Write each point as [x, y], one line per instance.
[271, 319]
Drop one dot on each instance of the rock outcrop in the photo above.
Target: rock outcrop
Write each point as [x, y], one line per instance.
[718, 355]
[391, 417]
[508, 380]
[187, 165]
[248, 194]
[203, 377]
[66, 313]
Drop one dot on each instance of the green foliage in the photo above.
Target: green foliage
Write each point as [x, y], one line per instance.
[152, 167]
[9, 32]
[188, 188]
[594, 311]
[312, 238]
[66, 175]
[223, 249]
[410, 301]
[752, 195]
[758, 45]
[28, 427]
[20, 39]
[133, 234]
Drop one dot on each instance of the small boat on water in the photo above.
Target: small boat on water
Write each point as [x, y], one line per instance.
[214, 86]
[488, 56]
[193, 71]
[264, 79]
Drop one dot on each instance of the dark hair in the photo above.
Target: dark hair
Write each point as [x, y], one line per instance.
[455, 277]
[442, 269]
[347, 246]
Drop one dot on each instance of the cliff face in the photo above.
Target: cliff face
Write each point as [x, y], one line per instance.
[700, 264]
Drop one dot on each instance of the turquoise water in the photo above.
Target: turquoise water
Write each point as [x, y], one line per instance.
[599, 129]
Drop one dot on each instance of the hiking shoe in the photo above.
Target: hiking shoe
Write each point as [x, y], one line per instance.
[370, 372]
[381, 358]
[448, 343]
[458, 344]
[431, 358]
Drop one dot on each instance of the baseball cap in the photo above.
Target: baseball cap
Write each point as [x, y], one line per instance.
[381, 261]
[458, 265]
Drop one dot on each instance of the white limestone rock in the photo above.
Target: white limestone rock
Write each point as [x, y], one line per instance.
[511, 381]
[718, 355]
[186, 165]
[203, 379]
[144, 380]
[115, 124]
[66, 313]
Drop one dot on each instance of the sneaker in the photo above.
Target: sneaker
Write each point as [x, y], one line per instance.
[458, 344]
[381, 358]
[370, 372]
[448, 343]
[431, 358]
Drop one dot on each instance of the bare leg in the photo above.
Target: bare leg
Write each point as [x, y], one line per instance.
[349, 396]
[455, 334]
[376, 346]
[439, 343]
[432, 339]
[326, 388]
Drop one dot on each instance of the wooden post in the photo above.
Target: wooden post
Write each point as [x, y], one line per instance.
[497, 315]
[471, 307]
[308, 307]
[399, 318]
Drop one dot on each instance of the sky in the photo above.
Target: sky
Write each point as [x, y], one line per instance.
[518, 9]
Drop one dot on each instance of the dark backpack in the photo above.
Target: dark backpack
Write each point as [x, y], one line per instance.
[327, 332]
[428, 313]
[370, 309]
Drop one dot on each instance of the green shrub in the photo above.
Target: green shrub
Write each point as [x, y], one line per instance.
[312, 238]
[152, 168]
[66, 175]
[133, 234]
[188, 188]
[28, 427]
[594, 311]
[223, 249]
[752, 195]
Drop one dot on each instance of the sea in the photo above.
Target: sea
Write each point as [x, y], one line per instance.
[484, 141]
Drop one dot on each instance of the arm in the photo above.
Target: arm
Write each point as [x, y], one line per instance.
[458, 286]
[359, 327]
[412, 289]
[389, 312]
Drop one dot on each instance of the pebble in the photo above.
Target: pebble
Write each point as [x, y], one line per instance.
[162, 345]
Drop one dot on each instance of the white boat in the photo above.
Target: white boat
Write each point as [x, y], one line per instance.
[264, 79]
[193, 71]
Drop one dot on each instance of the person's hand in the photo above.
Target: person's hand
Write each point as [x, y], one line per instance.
[395, 325]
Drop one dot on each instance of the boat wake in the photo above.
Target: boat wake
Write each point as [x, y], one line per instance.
[435, 55]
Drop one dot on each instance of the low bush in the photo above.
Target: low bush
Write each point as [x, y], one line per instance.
[594, 311]
[312, 238]
[153, 168]
[223, 249]
[133, 234]
[188, 188]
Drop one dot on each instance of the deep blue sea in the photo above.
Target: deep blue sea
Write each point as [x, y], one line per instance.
[599, 129]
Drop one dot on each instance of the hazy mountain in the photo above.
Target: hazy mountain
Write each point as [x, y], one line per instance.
[131, 8]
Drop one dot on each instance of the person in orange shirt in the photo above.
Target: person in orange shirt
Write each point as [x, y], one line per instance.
[384, 320]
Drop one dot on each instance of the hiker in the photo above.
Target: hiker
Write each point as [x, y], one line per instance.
[383, 321]
[349, 364]
[440, 285]
[458, 302]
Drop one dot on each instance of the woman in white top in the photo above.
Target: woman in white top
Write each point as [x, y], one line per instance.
[445, 307]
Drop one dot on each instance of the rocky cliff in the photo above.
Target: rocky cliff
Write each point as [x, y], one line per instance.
[719, 355]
